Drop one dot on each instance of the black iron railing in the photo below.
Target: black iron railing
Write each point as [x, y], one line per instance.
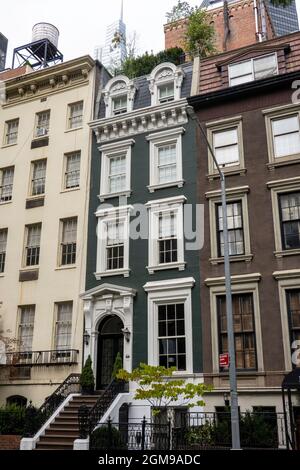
[42, 358]
[89, 417]
[35, 419]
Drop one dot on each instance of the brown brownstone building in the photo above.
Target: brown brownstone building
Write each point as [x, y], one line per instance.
[247, 101]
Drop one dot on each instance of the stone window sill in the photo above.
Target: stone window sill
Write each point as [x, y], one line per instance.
[239, 258]
[281, 254]
[113, 272]
[154, 187]
[180, 266]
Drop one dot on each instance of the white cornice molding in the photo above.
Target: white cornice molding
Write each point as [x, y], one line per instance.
[166, 201]
[118, 210]
[284, 182]
[229, 192]
[116, 145]
[167, 133]
[111, 288]
[181, 283]
[240, 279]
[288, 274]
[141, 121]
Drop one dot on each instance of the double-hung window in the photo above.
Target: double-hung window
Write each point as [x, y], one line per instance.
[115, 246]
[253, 69]
[26, 327]
[172, 336]
[286, 135]
[166, 92]
[11, 134]
[42, 124]
[119, 105]
[293, 304]
[33, 243]
[38, 177]
[6, 184]
[167, 163]
[75, 115]
[289, 204]
[167, 240]
[226, 146]
[235, 229]
[3, 242]
[68, 241]
[117, 173]
[63, 326]
[72, 170]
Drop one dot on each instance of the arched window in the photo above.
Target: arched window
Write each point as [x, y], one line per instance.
[16, 400]
[119, 96]
[165, 83]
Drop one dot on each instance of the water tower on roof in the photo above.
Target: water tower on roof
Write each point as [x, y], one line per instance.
[42, 51]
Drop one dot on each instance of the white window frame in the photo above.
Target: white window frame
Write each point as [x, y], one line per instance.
[6, 132]
[159, 139]
[105, 216]
[167, 292]
[117, 87]
[109, 151]
[240, 284]
[2, 170]
[65, 173]
[232, 194]
[70, 116]
[33, 163]
[62, 223]
[156, 208]
[223, 125]
[280, 112]
[46, 131]
[25, 325]
[3, 251]
[57, 306]
[163, 74]
[26, 245]
[251, 61]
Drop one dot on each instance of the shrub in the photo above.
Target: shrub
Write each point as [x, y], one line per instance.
[144, 64]
[117, 366]
[87, 380]
[12, 419]
[107, 437]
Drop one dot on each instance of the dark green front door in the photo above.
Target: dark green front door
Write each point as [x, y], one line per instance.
[110, 342]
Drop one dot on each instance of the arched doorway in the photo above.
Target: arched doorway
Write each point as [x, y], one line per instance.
[110, 342]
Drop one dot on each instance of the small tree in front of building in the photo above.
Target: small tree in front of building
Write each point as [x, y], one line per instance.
[159, 386]
[87, 380]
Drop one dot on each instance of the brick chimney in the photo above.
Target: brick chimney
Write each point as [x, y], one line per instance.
[241, 22]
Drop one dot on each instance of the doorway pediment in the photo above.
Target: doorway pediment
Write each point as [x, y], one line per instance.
[106, 290]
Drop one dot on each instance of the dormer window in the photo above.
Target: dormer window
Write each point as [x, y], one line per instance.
[119, 96]
[119, 105]
[165, 83]
[253, 69]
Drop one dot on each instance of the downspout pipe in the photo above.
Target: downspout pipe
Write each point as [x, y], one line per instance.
[256, 15]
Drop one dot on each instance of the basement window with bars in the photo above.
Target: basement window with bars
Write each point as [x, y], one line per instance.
[33, 242]
[244, 330]
[289, 205]
[72, 174]
[253, 69]
[6, 184]
[68, 243]
[235, 229]
[26, 327]
[42, 124]
[75, 115]
[171, 336]
[38, 177]
[63, 327]
[167, 240]
[11, 135]
[3, 243]
[115, 246]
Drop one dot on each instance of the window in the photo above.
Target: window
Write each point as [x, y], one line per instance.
[115, 246]
[119, 105]
[165, 83]
[75, 115]
[6, 184]
[33, 242]
[3, 242]
[42, 124]
[170, 332]
[63, 326]
[68, 243]
[116, 169]
[11, 134]
[166, 239]
[165, 159]
[26, 327]
[293, 303]
[72, 173]
[237, 222]
[38, 177]
[253, 69]
[171, 336]
[117, 173]
[113, 242]
[226, 147]
[244, 330]
[286, 136]
[235, 229]
[290, 220]
[166, 93]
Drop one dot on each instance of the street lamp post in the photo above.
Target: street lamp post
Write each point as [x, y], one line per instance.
[235, 425]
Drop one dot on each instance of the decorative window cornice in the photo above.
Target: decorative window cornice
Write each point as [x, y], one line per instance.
[140, 121]
[163, 74]
[117, 87]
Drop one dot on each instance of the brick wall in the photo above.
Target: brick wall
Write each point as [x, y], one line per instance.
[241, 22]
[10, 442]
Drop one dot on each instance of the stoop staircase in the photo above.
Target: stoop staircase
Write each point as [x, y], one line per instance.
[63, 431]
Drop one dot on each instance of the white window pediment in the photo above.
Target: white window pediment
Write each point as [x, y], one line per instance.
[119, 96]
[165, 83]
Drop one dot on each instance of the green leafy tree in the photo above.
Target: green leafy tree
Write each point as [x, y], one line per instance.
[200, 35]
[160, 388]
[87, 380]
[117, 366]
[180, 11]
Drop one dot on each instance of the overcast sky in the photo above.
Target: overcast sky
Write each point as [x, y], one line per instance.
[82, 24]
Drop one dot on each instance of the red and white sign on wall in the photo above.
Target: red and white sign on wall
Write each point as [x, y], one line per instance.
[224, 360]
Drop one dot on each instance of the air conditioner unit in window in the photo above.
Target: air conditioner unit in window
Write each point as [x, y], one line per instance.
[41, 131]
